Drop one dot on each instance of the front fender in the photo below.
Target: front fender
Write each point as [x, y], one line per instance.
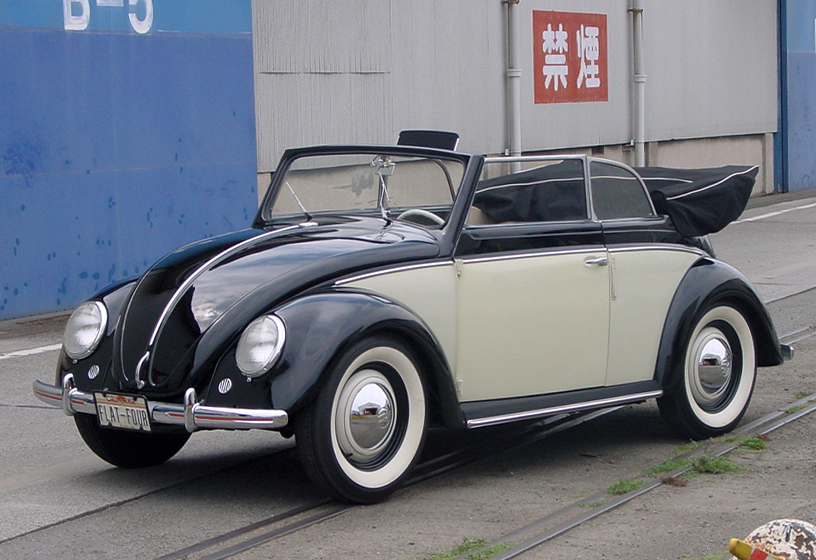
[320, 326]
[708, 282]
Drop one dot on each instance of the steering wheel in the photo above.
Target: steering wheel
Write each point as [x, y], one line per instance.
[419, 212]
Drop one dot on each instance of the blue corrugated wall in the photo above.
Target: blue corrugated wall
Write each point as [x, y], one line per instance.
[118, 142]
[798, 107]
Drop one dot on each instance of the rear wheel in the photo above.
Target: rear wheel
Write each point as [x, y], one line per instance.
[128, 449]
[361, 436]
[712, 383]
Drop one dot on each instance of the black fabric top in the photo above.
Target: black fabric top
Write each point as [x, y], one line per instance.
[549, 193]
[700, 201]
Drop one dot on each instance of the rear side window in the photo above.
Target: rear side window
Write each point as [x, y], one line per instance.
[617, 193]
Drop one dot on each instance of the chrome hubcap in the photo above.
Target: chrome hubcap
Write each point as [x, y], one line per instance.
[712, 367]
[365, 416]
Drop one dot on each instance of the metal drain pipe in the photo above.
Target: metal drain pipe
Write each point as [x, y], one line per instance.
[513, 82]
[639, 78]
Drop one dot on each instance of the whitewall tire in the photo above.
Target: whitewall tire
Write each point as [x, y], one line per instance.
[712, 381]
[361, 436]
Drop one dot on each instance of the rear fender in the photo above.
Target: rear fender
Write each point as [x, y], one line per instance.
[706, 283]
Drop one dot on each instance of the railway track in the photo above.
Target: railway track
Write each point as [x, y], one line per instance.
[516, 542]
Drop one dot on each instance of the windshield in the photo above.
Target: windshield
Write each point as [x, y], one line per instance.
[396, 187]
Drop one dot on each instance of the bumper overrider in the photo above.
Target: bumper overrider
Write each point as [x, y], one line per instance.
[192, 415]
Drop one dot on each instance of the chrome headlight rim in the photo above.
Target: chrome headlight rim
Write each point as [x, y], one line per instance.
[249, 341]
[99, 313]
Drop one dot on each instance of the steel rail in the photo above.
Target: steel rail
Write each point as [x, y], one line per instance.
[557, 523]
[248, 537]
[543, 529]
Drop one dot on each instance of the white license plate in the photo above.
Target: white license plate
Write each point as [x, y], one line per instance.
[122, 411]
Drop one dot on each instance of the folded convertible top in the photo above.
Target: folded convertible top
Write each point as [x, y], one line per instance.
[700, 201]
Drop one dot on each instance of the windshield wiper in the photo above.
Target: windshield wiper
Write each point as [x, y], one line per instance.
[302, 208]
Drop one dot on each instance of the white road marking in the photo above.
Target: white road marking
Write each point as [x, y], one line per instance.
[777, 213]
[30, 351]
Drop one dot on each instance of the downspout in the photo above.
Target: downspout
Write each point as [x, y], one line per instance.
[513, 83]
[639, 78]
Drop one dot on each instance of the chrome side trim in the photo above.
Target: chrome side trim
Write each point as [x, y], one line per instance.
[657, 247]
[534, 255]
[390, 271]
[532, 414]
[192, 415]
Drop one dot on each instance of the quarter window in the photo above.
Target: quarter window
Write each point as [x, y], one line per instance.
[617, 193]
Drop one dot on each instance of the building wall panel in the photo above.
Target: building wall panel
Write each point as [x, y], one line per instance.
[115, 148]
[711, 68]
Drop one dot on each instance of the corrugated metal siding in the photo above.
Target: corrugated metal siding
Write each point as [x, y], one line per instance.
[711, 68]
[418, 64]
[323, 36]
[710, 65]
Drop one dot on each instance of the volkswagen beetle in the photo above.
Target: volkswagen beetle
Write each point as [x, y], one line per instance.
[382, 290]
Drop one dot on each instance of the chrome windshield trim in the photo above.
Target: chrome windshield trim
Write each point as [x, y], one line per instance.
[532, 414]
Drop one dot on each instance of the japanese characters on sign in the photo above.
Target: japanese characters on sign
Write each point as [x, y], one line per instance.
[569, 57]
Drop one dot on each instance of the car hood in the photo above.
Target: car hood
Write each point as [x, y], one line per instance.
[195, 301]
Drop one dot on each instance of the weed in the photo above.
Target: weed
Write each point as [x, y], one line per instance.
[467, 545]
[690, 446]
[590, 505]
[753, 444]
[802, 395]
[491, 551]
[476, 548]
[669, 465]
[714, 465]
[625, 486]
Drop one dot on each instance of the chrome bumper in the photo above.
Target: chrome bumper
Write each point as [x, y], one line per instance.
[787, 352]
[191, 414]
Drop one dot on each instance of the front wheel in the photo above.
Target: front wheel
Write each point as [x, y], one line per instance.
[361, 436]
[128, 449]
[712, 384]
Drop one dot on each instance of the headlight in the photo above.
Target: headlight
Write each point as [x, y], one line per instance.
[260, 345]
[85, 329]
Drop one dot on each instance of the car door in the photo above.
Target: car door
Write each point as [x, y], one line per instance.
[532, 288]
[646, 264]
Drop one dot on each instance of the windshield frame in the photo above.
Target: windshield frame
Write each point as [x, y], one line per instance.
[278, 184]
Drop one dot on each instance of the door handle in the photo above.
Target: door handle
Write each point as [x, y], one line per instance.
[599, 261]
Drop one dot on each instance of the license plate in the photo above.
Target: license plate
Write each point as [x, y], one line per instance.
[122, 411]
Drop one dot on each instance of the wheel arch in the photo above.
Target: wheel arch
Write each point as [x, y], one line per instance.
[706, 283]
[319, 329]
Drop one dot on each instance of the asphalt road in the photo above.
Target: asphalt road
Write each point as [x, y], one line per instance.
[57, 500]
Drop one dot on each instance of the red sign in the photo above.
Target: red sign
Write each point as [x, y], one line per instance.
[569, 57]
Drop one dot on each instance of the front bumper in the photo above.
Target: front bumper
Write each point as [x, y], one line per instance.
[192, 415]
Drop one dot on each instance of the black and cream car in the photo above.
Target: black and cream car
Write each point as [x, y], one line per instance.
[382, 290]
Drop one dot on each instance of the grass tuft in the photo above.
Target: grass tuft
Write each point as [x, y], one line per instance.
[714, 465]
[753, 444]
[625, 486]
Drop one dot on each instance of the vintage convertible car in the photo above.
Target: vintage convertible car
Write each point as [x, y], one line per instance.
[381, 290]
